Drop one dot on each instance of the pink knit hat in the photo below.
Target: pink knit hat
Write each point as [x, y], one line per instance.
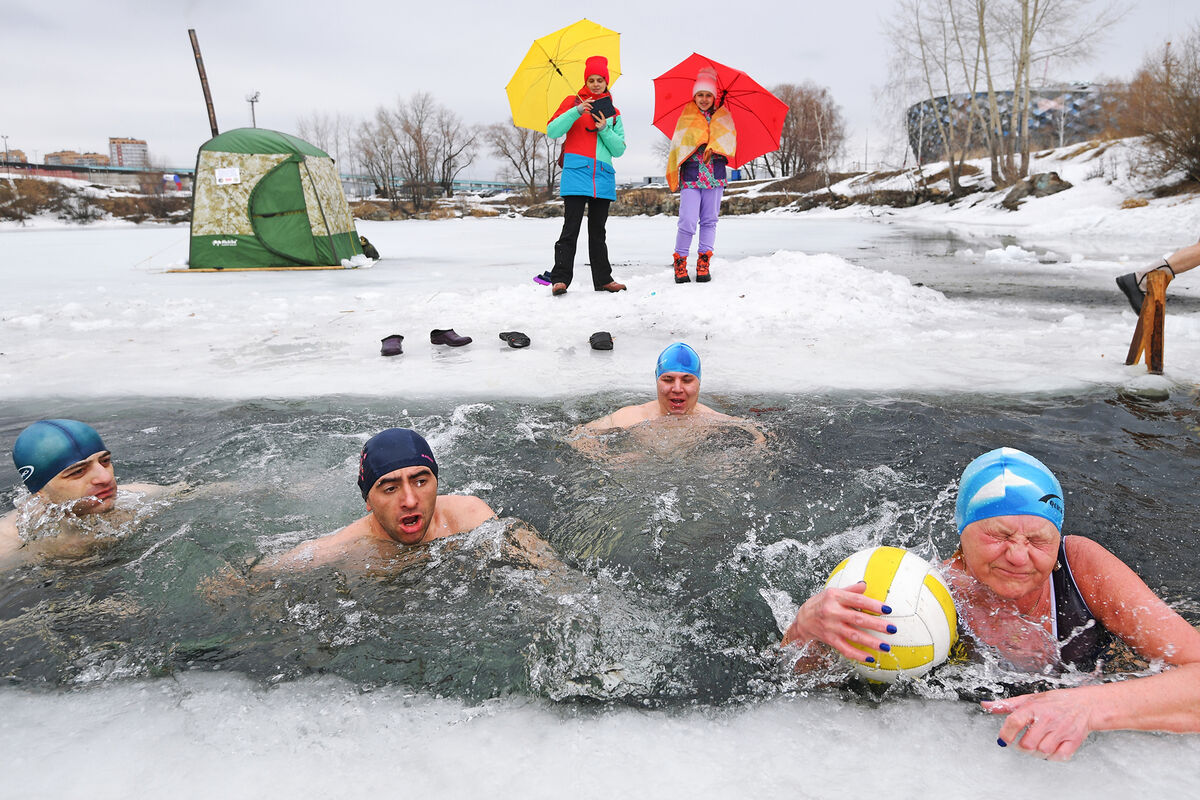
[706, 81]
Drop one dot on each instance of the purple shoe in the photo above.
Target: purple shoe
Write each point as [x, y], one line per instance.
[391, 345]
[543, 279]
[448, 336]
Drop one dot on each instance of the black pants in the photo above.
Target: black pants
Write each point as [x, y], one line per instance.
[564, 248]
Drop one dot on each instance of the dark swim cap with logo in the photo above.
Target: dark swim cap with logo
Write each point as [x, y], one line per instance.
[1008, 482]
[49, 446]
[393, 449]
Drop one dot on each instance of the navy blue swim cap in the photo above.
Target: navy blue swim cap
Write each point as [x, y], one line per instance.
[46, 448]
[678, 357]
[389, 451]
[1004, 482]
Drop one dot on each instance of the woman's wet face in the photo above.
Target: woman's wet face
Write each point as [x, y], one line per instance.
[596, 84]
[1012, 555]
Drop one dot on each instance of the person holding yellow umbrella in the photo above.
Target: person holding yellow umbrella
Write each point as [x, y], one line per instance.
[588, 53]
[595, 136]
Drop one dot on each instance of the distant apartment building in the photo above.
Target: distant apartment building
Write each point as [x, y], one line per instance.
[70, 158]
[15, 156]
[128, 153]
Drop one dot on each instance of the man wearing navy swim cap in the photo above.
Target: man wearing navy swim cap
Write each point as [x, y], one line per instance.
[677, 375]
[398, 478]
[64, 464]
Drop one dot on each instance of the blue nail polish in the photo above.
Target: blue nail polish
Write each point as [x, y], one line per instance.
[870, 659]
[1002, 743]
[887, 609]
[891, 628]
[885, 647]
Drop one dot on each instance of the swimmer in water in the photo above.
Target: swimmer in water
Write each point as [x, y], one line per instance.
[1044, 601]
[677, 377]
[71, 481]
[398, 478]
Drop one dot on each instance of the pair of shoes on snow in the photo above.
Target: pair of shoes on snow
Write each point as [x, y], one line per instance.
[515, 339]
[448, 337]
[393, 345]
[601, 340]
[702, 272]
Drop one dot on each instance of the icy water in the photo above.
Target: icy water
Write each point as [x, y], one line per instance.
[644, 661]
[680, 552]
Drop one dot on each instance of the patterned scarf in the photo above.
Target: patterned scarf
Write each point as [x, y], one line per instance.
[693, 130]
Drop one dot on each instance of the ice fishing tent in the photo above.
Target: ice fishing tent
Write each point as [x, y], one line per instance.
[262, 198]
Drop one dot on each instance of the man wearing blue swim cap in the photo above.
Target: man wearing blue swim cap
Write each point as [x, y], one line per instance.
[677, 378]
[1042, 602]
[64, 464]
[398, 479]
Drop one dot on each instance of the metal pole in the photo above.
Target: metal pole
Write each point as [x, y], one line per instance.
[252, 99]
[212, 115]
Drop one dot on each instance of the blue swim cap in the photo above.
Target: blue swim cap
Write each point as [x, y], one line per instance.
[46, 448]
[389, 451]
[678, 357]
[1004, 482]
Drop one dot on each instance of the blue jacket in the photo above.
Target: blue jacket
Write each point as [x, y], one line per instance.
[587, 153]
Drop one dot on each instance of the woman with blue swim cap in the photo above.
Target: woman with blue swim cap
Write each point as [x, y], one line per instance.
[1042, 600]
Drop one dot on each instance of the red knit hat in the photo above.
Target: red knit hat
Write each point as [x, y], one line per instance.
[596, 65]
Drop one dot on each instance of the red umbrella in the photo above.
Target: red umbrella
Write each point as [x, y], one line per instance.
[757, 113]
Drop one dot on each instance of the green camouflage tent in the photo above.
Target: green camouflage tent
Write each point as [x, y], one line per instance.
[262, 198]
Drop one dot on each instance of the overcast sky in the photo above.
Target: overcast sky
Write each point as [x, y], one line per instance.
[76, 72]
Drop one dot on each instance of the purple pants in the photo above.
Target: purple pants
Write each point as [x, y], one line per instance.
[704, 206]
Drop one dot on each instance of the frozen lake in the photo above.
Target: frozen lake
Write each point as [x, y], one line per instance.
[651, 668]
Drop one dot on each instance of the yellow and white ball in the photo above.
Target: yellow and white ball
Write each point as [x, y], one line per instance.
[922, 610]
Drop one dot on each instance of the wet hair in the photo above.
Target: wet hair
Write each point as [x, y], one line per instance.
[389, 451]
[1004, 482]
[49, 446]
[678, 357]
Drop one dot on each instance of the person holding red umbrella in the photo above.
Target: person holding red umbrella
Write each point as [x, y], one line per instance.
[595, 136]
[704, 141]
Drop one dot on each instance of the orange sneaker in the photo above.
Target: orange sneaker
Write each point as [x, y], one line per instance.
[702, 259]
[681, 273]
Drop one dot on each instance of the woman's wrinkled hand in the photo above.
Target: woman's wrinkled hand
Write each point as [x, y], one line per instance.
[1054, 723]
[841, 619]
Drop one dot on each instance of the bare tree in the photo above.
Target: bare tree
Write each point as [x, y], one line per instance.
[455, 148]
[376, 149]
[954, 45]
[522, 151]
[814, 132]
[1162, 103]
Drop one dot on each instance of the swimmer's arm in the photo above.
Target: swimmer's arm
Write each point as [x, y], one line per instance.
[536, 550]
[1168, 701]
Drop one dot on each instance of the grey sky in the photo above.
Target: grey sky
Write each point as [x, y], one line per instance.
[76, 72]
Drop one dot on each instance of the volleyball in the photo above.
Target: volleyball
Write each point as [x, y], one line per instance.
[922, 610]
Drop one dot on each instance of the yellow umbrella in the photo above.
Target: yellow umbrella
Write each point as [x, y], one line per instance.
[553, 69]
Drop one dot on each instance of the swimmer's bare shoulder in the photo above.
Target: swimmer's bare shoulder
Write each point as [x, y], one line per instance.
[10, 540]
[453, 514]
[463, 512]
[623, 417]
